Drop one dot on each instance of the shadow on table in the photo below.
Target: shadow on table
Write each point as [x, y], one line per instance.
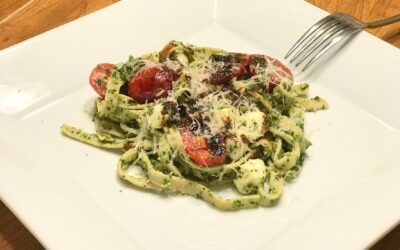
[13, 235]
[391, 241]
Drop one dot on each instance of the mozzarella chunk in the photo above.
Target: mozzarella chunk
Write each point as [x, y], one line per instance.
[251, 125]
[251, 176]
[236, 148]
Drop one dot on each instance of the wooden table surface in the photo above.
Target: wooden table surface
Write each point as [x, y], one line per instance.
[22, 19]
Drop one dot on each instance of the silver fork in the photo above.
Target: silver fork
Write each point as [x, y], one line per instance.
[327, 33]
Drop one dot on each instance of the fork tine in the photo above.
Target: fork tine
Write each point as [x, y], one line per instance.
[347, 33]
[307, 34]
[305, 47]
[329, 34]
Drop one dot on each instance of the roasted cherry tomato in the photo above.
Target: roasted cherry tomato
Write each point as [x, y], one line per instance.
[261, 61]
[233, 65]
[98, 77]
[281, 66]
[242, 58]
[254, 62]
[150, 84]
[226, 73]
[203, 152]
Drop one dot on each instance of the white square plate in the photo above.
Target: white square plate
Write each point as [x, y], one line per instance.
[67, 193]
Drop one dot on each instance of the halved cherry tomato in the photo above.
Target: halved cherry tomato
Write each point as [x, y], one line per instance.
[150, 84]
[261, 61]
[242, 58]
[281, 66]
[254, 62]
[233, 65]
[225, 74]
[198, 149]
[98, 77]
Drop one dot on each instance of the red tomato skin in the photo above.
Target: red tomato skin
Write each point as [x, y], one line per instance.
[233, 66]
[150, 84]
[227, 73]
[243, 59]
[275, 79]
[197, 149]
[281, 66]
[100, 73]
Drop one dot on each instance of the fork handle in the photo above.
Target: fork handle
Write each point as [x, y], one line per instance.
[384, 22]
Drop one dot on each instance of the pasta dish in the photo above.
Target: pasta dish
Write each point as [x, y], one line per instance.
[188, 119]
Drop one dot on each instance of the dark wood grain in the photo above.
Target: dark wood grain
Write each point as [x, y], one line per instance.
[22, 19]
[390, 242]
